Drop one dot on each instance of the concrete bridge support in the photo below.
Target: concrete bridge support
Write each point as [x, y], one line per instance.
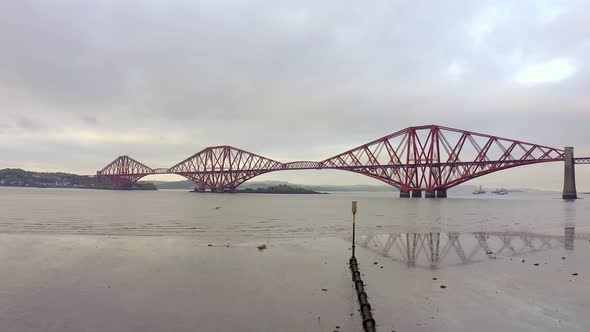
[441, 193]
[429, 194]
[569, 180]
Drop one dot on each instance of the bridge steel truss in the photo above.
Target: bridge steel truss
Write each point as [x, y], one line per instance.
[223, 167]
[416, 158]
[124, 171]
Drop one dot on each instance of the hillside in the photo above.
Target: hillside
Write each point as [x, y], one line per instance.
[16, 177]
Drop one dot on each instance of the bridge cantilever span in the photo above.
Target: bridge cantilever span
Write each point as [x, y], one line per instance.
[124, 171]
[422, 158]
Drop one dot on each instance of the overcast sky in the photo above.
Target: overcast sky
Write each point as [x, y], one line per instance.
[82, 82]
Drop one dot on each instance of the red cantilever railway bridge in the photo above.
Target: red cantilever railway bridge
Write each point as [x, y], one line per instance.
[431, 158]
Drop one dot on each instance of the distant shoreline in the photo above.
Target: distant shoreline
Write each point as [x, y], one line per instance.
[19, 178]
[75, 187]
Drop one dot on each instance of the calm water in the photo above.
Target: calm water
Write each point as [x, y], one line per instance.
[243, 217]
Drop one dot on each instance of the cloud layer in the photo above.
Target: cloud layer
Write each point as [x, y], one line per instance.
[84, 82]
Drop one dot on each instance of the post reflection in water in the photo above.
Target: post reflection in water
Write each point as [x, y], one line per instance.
[436, 249]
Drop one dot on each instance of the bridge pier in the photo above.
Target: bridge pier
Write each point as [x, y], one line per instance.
[569, 175]
[429, 194]
[440, 193]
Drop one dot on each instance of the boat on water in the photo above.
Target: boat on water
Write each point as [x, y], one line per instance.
[500, 191]
[479, 191]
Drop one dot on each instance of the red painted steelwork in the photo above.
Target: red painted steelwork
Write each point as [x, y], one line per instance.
[416, 158]
[223, 167]
[124, 171]
[435, 157]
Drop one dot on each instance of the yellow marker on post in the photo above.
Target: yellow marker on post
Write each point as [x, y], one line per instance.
[353, 226]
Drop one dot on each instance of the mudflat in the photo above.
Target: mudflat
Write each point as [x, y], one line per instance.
[154, 283]
[139, 283]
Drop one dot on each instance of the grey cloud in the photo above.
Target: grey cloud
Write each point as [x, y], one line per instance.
[290, 79]
[3, 127]
[24, 122]
[90, 119]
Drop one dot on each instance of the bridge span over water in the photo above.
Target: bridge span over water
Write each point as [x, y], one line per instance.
[429, 159]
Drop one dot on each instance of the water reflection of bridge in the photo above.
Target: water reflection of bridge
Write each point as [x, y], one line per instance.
[433, 249]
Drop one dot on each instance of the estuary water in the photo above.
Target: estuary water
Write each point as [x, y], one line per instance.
[172, 260]
[242, 217]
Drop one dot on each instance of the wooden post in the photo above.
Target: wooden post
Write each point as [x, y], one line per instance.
[353, 226]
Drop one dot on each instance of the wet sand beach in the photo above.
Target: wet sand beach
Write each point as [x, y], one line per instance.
[531, 289]
[96, 283]
[140, 283]
[167, 261]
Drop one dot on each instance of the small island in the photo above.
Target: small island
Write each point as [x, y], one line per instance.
[280, 189]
